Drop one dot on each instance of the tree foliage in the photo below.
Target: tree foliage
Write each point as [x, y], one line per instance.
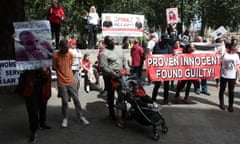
[211, 13]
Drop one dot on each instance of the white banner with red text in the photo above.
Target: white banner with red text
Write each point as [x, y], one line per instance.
[115, 24]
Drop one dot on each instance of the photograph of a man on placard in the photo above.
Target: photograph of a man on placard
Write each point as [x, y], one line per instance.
[32, 47]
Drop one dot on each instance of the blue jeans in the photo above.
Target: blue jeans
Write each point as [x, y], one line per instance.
[204, 85]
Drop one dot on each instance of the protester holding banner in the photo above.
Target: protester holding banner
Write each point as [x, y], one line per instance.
[162, 47]
[36, 86]
[56, 15]
[185, 38]
[137, 55]
[176, 51]
[219, 50]
[230, 65]
[93, 20]
[112, 62]
[189, 49]
[203, 82]
[62, 63]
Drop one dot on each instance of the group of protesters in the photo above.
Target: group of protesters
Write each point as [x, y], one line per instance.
[229, 69]
[68, 64]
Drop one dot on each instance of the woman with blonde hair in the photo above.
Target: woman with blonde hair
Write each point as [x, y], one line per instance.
[93, 20]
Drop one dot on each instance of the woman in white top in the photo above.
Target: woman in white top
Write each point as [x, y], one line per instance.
[77, 55]
[93, 20]
[230, 65]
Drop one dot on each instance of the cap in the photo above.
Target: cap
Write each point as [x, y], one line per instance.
[164, 36]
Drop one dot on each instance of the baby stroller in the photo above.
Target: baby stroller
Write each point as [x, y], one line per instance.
[142, 108]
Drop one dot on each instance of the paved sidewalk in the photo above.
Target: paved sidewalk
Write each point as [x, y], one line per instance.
[200, 122]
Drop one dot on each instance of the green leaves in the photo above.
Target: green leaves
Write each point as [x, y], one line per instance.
[212, 13]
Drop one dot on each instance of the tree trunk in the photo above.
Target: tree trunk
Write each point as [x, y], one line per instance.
[10, 11]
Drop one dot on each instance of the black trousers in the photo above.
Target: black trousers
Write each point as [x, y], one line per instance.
[157, 86]
[110, 95]
[92, 36]
[55, 29]
[137, 70]
[182, 85]
[36, 108]
[231, 86]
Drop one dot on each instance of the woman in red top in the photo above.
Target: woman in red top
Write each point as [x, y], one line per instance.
[177, 49]
[55, 15]
[91, 80]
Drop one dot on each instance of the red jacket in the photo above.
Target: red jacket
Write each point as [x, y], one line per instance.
[30, 78]
[137, 54]
[56, 15]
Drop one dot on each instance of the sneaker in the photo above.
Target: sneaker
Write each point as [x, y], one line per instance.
[33, 138]
[166, 102]
[186, 100]
[176, 99]
[84, 121]
[197, 92]
[88, 89]
[230, 108]
[222, 107]
[206, 93]
[65, 123]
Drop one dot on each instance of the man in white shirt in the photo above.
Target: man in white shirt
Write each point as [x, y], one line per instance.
[150, 45]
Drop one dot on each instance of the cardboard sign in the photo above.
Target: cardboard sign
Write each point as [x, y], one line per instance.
[218, 33]
[172, 15]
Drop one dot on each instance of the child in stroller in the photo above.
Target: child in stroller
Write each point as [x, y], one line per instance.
[142, 108]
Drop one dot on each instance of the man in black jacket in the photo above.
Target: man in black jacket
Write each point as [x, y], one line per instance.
[162, 47]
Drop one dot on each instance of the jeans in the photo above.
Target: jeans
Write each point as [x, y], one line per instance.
[77, 76]
[66, 92]
[204, 85]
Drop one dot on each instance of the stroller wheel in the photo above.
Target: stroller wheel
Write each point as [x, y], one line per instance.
[164, 129]
[121, 123]
[120, 118]
[156, 136]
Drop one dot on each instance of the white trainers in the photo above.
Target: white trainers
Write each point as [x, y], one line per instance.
[88, 89]
[84, 121]
[65, 123]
